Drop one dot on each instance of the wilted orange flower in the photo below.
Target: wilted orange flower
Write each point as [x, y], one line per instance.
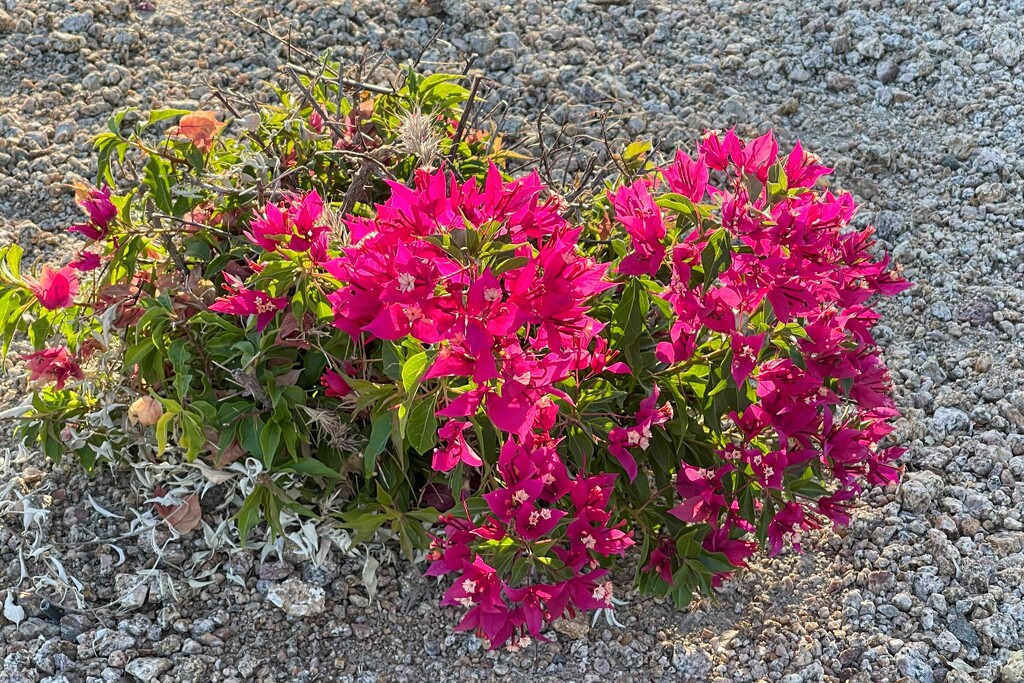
[199, 128]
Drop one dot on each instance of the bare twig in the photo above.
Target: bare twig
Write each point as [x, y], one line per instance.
[351, 83]
[287, 42]
[462, 119]
[168, 241]
[356, 190]
[426, 46]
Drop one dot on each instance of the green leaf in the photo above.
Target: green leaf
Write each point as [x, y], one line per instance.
[12, 257]
[364, 525]
[380, 432]
[392, 360]
[687, 544]
[270, 440]
[313, 468]
[716, 256]
[114, 122]
[412, 369]
[679, 204]
[635, 152]
[161, 114]
[628, 319]
[509, 264]
[717, 563]
[249, 514]
[193, 436]
[162, 426]
[421, 430]
[158, 178]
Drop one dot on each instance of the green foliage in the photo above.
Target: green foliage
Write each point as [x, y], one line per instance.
[186, 185]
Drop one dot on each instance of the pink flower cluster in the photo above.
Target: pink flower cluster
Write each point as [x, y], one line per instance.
[292, 228]
[53, 365]
[56, 289]
[792, 261]
[295, 226]
[492, 279]
[512, 329]
[538, 496]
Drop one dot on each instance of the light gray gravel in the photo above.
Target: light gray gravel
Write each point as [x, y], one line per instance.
[918, 103]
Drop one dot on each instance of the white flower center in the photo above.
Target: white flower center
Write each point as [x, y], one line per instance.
[413, 313]
[406, 282]
[492, 294]
[264, 305]
[604, 593]
[519, 644]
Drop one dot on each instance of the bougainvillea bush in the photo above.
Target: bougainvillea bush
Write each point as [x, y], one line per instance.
[353, 293]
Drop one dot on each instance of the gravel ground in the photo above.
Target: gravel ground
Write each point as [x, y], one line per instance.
[918, 106]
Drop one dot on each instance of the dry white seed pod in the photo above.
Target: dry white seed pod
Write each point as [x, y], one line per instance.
[145, 411]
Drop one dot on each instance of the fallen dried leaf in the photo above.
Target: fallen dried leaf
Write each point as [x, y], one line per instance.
[183, 518]
[233, 452]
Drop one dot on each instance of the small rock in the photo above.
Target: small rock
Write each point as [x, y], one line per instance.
[275, 571]
[799, 74]
[912, 664]
[72, 626]
[189, 670]
[887, 71]
[576, 629]
[297, 598]
[940, 309]
[67, 43]
[147, 669]
[1001, 628]
[1007, 543]
[132, 589]
[920, 489]
[990, 193]
[1013, 670]
[110, 641]
[64, 131]
[961, 628]
[950, 420]
[947, 642]
[502, 60]
[871, 46]
[692, 663]
[902, 601]
[1007, 52]
[734, 109]
[77, 23]
[118, 659]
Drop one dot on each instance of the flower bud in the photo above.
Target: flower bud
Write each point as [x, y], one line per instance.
[145, 411]
[205, 291]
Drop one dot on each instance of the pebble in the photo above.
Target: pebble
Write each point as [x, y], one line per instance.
[146, 669]
[1013, 670]
[297, 598]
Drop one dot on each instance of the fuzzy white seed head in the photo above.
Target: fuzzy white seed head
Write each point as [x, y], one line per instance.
[418, 135]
